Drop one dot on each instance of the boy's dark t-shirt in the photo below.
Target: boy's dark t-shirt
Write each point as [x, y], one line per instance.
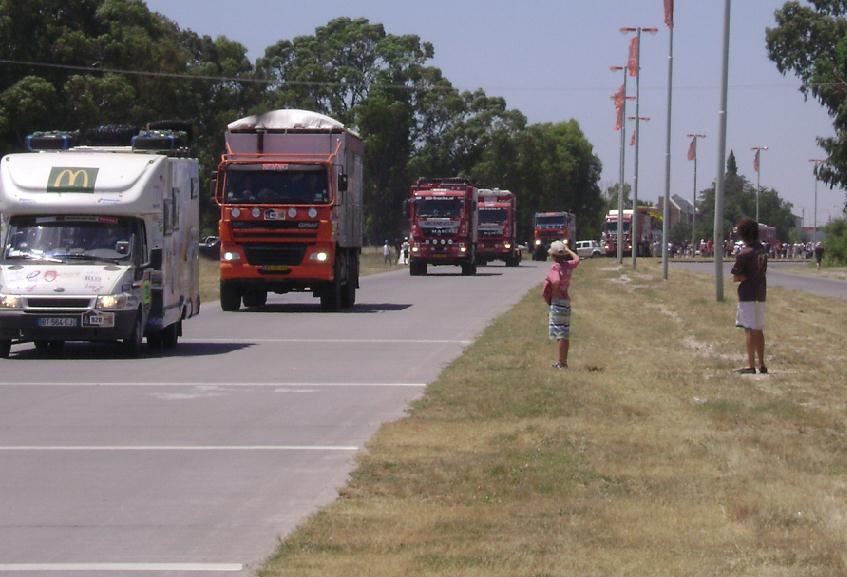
[752, 263]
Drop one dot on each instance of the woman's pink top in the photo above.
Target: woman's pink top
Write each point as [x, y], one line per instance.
[558, 280]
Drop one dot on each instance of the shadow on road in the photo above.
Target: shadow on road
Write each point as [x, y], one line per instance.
[316, 308]
[109, 351]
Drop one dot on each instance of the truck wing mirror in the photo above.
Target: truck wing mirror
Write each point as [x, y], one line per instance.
[156, 258]
[213, 186]
[342, 182]
[406, 210]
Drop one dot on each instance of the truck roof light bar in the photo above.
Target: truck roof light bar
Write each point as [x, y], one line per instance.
[53, 140]
[164, 141]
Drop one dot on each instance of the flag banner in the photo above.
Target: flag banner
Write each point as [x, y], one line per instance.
[634, 138]
[632, 65]
[619, 121]
[756, 161]
[669, 13]
[692, 150]
[619, 97]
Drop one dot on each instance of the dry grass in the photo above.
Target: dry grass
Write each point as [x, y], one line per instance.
[370, 262]
[648, 456]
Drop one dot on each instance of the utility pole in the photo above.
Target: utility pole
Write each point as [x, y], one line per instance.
[717, 231]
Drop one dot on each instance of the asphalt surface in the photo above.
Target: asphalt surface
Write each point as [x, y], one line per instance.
[195, 461]
[779, 275]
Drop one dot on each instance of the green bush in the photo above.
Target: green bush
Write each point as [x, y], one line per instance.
[836, 242]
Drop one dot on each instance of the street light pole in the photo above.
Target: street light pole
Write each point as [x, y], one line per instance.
[717, 230]
[817, 162]
[757, 167]
[634, 224]
[692, 155]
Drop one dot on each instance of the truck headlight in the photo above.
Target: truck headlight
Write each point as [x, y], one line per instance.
[507, 245]
[537, 241]
[319, 256]
[10, 302]
[113, 302]
[230, 256]
[415, 249]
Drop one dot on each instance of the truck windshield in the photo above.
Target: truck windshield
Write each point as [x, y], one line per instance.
[303, 186]
[439, 207]
[492, 215]
[550, 221]
[612, 227]
[71, 239]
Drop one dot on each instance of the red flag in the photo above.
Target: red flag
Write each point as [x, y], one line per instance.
[633, 57]
[692, 150]
[756, 161]
[619, 97]
[669, 13]
[634, 138]
[619, 120]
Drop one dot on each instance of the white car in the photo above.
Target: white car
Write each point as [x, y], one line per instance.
[588, 248]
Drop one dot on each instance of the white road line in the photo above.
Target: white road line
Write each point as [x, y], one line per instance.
[207, 384]
[178, 448]
[341, 341]
[208, 567]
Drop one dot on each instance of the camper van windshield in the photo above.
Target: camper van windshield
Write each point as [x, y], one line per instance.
[71, 239]
[301, 186]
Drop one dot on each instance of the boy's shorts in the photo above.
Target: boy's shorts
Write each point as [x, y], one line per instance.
[750, 315]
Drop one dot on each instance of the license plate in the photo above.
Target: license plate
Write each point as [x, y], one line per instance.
[102, 320]
[276, 268]
[58, 322]
[273, 214]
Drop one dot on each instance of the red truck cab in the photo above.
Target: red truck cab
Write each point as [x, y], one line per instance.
[497, 227]
[551, 226]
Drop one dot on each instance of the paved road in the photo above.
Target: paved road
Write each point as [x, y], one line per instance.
[776, 278]
[195, 461]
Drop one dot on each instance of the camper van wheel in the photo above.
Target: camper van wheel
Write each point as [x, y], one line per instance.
[230, 296]
[5, 348]
[132, 344]
[170, 335]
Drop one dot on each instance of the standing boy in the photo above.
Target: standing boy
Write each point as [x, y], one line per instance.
[750, 271]
[556, 295]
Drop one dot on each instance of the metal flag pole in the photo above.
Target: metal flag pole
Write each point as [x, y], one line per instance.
[717, 231]
[666, 210]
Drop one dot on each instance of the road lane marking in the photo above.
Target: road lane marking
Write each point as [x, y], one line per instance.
[205, 567]
[208, 384]
[21, 448]
[340, 341]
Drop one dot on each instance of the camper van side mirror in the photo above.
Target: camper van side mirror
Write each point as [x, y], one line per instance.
[342, 183]
[156, 258]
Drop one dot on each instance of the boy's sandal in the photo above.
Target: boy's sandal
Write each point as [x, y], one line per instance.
[746, 371]
[560, 365]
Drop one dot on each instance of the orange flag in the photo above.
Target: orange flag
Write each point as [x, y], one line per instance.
[756, 161]
[634, 138]
[692, 150]
[669, 13]
[633, 57]
[619, 100]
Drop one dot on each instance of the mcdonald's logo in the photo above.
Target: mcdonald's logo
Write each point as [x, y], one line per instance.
[72, 179]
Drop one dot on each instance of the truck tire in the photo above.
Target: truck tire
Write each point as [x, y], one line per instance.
[132, 344]
[417, 268]
[469, 269]
[331, 293]
[5, 348]
[170, 335]
[230, 296]
[255, 297]
[348, 294]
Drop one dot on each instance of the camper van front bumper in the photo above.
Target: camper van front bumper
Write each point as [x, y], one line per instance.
[90, 325]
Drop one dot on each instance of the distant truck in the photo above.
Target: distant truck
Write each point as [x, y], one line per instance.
[290, 192]
[551, 226]
[443, 224]
[100, 242]
[497, 227]
[646, 230]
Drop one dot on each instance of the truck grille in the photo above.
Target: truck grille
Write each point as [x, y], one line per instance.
[58, 303]
[286, 254]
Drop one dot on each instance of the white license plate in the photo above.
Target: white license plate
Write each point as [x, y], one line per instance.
[58, 322]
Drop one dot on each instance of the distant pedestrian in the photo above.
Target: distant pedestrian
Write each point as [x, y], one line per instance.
[750, 271]
[556, 295]
[386, 253]
[819, 250]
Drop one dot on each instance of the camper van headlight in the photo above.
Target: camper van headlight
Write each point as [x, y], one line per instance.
[10, 302]
[113, 302]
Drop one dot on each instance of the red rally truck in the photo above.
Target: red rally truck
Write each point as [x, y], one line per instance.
[443, 224]
[497, 227]
[645, 231]
[290, 191]
[551, 226]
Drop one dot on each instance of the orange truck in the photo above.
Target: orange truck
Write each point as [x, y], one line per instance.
[548, 227]
[289, 187]
[497, 215]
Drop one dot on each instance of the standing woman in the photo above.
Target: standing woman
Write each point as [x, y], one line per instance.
[556, 295]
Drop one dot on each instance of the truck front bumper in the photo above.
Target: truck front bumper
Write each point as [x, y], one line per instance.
[89, 325]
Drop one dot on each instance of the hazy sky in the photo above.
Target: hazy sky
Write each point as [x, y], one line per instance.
[550, 59]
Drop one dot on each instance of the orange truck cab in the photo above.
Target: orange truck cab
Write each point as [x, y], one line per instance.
[290, 192]
[497, 227]
[551, 226]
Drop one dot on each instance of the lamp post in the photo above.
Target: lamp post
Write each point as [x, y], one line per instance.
[756, 166]
[817, 162]
[635, 70]
[692, 155]
[717, 230]
[620, 104]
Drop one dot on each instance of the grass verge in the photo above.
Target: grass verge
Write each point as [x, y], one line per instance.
[647, 456]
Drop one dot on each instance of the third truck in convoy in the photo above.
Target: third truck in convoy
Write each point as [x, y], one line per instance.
[290, 192]
[497, 215]
[550, 226]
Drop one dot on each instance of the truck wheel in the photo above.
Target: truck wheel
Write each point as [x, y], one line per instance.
[255, 297]
[170, 335]
[348, 294]
[132, 344]
[5, 348]
[417, 268]
[469, 269]
[230, 296]
[331, 294]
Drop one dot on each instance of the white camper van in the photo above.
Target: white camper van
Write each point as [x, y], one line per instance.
[99, 243]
